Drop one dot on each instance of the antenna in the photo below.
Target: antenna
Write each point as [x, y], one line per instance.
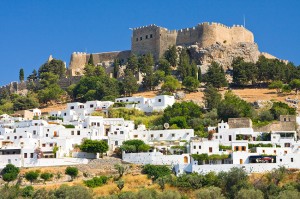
[244, 22]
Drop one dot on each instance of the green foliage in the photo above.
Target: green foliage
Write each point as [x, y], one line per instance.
[21, 75]
[234, 107]
[71, 171]
[46, 176]
[55, 66]
[222, 147]
[134, 146]
[276, 85]
[156, 171]
[171, 55]
[27, 191]
[24, 102]
[184, 67]
[33, 76]
[169, 194]
[121, 169]
[243, 72]
[10, 173]
[117, 64]
[91, 60]
[215, 76]
[69, 126]
[31, 176]
[289, 194]
[132, 64]
[76, 191]
[95, 88]
[91, 70]
[212, 97]
[233, 181]
[96, 181]
[199, 76]
[94, 146]
[295, 85]
[259, 145]
[209, 193]
[164, 65]
[50, 93]
[190, 83]
[249, 194]
[130, 85]
[162, 181]
[120, 184]
[170, 84]
[281, 108]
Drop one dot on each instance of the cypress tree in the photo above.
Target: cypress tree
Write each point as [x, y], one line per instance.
[199, 74]
[21, 75]
[91, 60]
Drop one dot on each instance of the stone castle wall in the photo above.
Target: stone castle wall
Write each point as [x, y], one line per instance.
[156, 40]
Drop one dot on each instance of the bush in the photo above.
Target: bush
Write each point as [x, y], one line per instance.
[249, 194]
[71, 171]
[46, 176]
[209, 193]
[156, 171]
[28, 191]
[32, 176]
[10, 173]
[96, 181]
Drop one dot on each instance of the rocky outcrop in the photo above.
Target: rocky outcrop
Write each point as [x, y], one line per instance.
[224, 54]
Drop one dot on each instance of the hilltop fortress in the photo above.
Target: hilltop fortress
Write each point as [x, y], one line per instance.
[206, 41]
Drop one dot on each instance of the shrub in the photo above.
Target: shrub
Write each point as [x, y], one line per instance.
[32, 176]
[156, 171]
[46, 176]
[96, 181]
[71, 171]
[28, 191]
[249, 194]
[10, 173]
[209, 193]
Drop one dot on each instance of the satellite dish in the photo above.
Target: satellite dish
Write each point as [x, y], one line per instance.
[166, 125]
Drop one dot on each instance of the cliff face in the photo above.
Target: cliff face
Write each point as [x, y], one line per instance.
[224, 54]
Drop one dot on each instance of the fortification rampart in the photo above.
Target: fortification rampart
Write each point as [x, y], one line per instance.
[156, 40]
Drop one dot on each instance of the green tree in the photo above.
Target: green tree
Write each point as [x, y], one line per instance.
[46, 176]
[21, 75]
[184, 67]
[190, 83]
[249, 194]
[281, 108]
[27, 191]
[170, 84]
[295, 85]
[10, 173]
[244, 72]
[132, 64]
[71, 171]
[117, 65]
[171, 55]
[162, 181]
[164, 65]
[55, 66]
[156, 171]
[31, 176]
[33, 76]
[75, 191]
[212, 97]
[215, 76]
[25, 102]
[289, 194]
[130, 84]
[209, 193]
[135, 146]
[121, 169]
[234, 107]
[199, 75]
[94, 146]
[145, 61]
[120, 184]
[91, 60]
[276, 85]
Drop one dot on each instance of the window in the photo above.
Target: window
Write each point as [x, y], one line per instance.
[92, 106]
[275, 151]
[34, 132]
[210, 149]
[43, 145]
[229, 137]
[72, 132]
[173, 135]
[121, 132]
[199, 147]
[116, 143]
[216, 137]
[194, 147]
[46, 135]
[150, 35]
[220, 136]
[78, 132]
[25, 155]
[152, 135]
[135, 136]
[15, 137]
[159, 100]
[141, 38]
[72, 107]
[115, 132]
[280, 160]
[65, 114]
[161, 135]
[285, 152]
[264, 151]
[243, 148]
[292, 159]
[8, 137]
[47, 130]
[146, 36]
[20, 137]
[51, 144]
[31, 155]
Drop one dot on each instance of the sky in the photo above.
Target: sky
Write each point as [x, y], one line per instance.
[31, 30]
